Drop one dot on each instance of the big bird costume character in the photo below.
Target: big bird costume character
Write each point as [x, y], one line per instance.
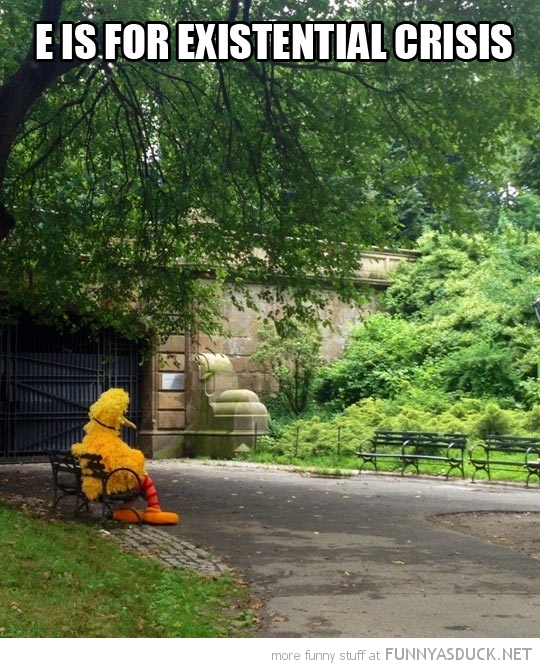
[107, 416]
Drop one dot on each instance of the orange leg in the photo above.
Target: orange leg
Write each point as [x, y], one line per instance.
[153, 513]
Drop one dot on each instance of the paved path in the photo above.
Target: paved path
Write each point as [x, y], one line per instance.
[358, 557]
[355, 557]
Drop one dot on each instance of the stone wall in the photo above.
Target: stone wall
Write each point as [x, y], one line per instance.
[241, 341]
[171, 377]
[164, 399]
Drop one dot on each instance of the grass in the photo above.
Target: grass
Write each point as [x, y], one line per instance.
[63, 579]
[339, 465]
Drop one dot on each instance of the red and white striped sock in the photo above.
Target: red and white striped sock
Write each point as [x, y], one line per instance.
[150, 492]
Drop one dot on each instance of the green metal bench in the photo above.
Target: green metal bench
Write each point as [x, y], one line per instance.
[506, 453]
[410, 448]
[69, 472]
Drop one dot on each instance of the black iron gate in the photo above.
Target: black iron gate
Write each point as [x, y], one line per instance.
[48, 379]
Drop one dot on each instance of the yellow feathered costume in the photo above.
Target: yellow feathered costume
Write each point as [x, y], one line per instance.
[102, 437]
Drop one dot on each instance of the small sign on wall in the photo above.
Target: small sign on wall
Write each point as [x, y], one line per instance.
[172, 381]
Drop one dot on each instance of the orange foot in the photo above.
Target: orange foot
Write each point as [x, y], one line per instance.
[127, 515]
[158, 516]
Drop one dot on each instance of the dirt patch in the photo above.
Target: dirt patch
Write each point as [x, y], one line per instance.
[517, 530]
[27, 487]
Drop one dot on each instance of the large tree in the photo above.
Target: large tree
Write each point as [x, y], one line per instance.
[123, 185]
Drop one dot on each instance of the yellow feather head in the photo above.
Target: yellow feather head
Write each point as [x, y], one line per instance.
[108, 411]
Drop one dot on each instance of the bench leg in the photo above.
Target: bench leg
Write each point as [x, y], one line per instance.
[477, 470]
[367, 461]
[408, 463]
[536, 473]
[459, 467]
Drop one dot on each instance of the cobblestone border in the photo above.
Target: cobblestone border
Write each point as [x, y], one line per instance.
[144, 540]
[171, 551]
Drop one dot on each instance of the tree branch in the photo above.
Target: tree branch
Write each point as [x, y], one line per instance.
[51, 10]
[233, 11]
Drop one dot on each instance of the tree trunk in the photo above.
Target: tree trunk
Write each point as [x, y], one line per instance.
[18, 94]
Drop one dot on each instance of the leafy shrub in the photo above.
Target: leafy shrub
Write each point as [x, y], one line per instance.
[494, 420]
[292, 358]
[305, 439]
[457, 352]
[466, 407]
[378, 361]
[530, 392]
[460, 324]
[483, 369]
[531, 421]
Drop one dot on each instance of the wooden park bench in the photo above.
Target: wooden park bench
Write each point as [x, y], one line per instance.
[506, 453]
[410, 448]
[69, 472]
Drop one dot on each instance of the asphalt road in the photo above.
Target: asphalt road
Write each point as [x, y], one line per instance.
[358, 557]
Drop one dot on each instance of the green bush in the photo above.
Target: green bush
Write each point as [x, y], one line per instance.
[379, 360]
[494, 420]
[459, 324]
[303, 440]
[292, 359]
[457, 350]
[483, 369]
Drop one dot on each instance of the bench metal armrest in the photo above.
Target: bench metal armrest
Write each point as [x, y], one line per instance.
[532, 457]
[474, 451]
[372, 445]
[137, 485]
[452, 448]
[409, 443]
